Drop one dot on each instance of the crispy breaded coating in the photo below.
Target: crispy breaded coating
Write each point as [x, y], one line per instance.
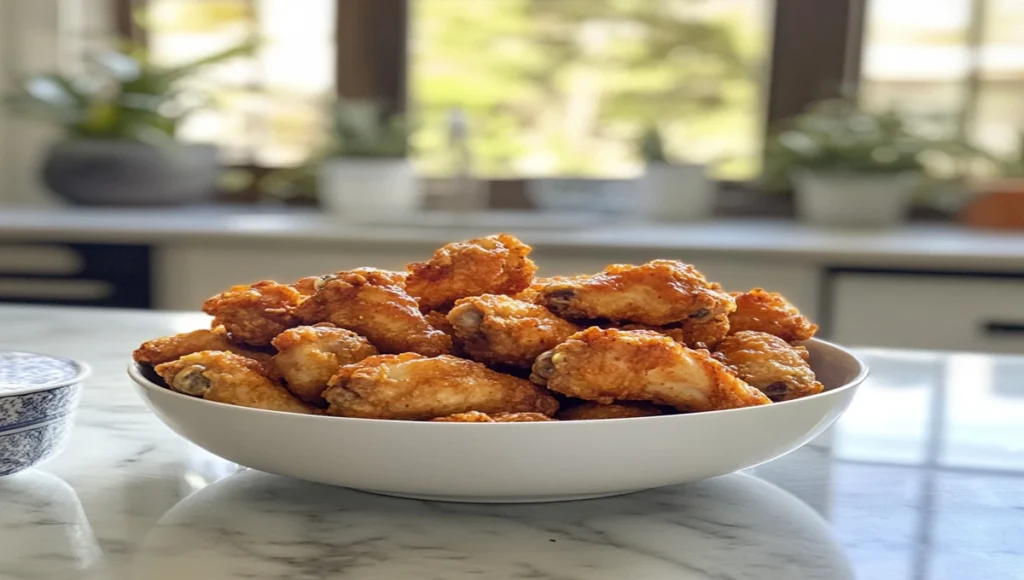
[308, 356]
[588, 410]
[492, 265]
[225, 377]
[478, 417]
[691, 333]
[168, 348]
[657, 293]
[609, 365]
[769, 312]
[767, 362]
[497, 329]
[370, 303]
[309, 285]
[417, 388]
[254, 314]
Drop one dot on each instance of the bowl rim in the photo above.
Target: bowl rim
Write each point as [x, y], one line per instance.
[84, 371]
[134, 371]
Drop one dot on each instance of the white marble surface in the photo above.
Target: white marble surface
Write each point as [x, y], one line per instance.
[923, 479]
[918, 246]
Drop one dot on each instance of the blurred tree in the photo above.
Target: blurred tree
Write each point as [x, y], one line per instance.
[566, 86]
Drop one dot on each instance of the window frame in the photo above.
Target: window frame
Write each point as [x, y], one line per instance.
[815, 53]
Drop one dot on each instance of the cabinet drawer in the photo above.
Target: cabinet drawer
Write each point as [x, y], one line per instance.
[929, 311]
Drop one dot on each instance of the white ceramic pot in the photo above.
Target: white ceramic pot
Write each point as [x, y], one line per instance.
[672, 192]
[853, 199]
[357, 187]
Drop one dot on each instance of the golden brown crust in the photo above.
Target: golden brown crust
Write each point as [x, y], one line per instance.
[771, 364]
[478, 417]
[770, 312]
[168, 348]
[588, 410]
[254, 314]
[609, 365]
[369, 303]
[417, 388]
[308, 356]
[492, 265]
[501, 330]
[225, 377]
[658, 293]
[309, 285]
[691, 333]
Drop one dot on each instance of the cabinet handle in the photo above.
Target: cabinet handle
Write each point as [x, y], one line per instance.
[1003, 328]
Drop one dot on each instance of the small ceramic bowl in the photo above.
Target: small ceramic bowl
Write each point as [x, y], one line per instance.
[38, 396]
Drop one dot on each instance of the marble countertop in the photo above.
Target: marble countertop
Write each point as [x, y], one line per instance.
[919, 246]
[923, 479]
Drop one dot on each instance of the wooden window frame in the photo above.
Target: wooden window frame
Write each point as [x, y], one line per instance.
[815, 54]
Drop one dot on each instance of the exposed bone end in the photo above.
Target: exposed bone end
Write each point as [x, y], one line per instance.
[466, 317]
[558, 298]
[544, 367]
[776, 391]
[191, 381]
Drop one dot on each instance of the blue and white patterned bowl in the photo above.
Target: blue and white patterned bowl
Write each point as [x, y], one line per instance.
[38, 396]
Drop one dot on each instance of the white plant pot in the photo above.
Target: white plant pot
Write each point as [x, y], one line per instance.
[671, 192]
[853, 199]
[366, 187]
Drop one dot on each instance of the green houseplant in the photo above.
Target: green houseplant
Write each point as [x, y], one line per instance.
[119, 122]
[847, 166]
[364, 168]
[671, 191]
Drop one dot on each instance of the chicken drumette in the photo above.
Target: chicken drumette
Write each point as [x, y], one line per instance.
[254, 314]
[168, 348]
[225, 377]
[770, 364]
[769, 312]
[609, 365]
[372, 304]
[413, 387]
[492, 265]
[658, 293]
[308, 356]
[501, 330]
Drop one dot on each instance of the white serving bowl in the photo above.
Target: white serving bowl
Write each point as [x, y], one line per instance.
[510, 462]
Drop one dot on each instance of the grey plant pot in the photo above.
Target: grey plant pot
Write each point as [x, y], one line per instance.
[102, 172]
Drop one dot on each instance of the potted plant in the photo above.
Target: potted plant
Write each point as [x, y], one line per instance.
[365, 169]
[120, 120]
[672, 191]
[847, 166]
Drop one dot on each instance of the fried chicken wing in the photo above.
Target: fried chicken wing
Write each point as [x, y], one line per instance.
[308, 356]
[478, 417]
[168, 348]
[501, 330]
[657, 293]
[492, 265]
[255, 314]
[769, 312]
[370, 303]
[770, 364]
[609, 365]
[588, 410]
[416, 388]
[532, 293]
[225, 377]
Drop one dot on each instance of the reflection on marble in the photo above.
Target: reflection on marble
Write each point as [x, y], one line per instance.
[254, 525]
[44, 533]
[923, 479]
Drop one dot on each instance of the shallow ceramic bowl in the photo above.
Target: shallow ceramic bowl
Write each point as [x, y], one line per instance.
[510, 462]
[38, 396]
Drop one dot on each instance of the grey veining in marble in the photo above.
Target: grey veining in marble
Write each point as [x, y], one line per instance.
[923, 479]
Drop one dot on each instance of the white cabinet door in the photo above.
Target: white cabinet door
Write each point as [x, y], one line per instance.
[931, 312]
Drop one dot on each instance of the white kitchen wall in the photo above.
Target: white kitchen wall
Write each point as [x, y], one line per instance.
[39, 35]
